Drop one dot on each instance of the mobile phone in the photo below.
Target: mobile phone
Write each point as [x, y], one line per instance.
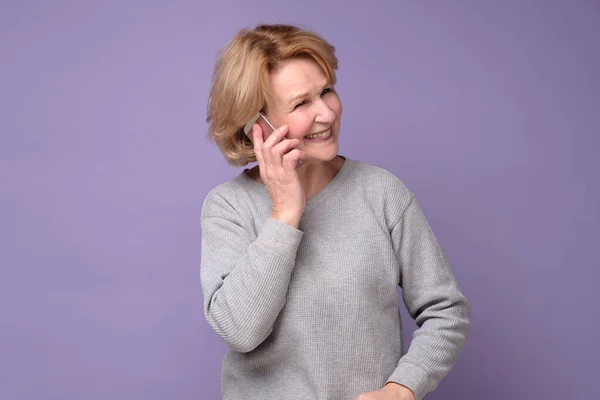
[248, 129]
[248, 126]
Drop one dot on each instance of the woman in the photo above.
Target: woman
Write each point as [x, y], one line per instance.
[302, 254]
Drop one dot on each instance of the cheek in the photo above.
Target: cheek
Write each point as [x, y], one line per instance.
[300, 126]
[335, 104]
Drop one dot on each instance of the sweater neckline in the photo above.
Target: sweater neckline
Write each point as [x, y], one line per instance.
[330, 188]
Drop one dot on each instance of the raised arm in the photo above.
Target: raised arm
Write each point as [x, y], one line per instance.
[244, 279]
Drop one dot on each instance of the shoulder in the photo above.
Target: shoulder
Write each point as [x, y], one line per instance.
[380, 180]
[382, 187]
[225, 198]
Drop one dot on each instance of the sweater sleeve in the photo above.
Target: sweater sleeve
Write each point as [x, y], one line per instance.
[433, 298]
[244, 278]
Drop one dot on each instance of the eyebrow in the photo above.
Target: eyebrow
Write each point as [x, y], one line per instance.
[301, 95]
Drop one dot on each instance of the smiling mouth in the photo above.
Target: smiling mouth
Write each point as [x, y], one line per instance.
[321, 135]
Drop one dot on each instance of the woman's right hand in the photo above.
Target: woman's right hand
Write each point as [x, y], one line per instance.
[277, 159]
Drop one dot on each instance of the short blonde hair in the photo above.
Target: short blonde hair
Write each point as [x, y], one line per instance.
[240, 80]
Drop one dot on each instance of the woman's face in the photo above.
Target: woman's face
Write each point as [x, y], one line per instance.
[305, 101]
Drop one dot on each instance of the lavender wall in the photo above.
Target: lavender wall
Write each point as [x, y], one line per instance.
[488, 110]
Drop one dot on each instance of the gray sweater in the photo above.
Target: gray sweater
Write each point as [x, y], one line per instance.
[312, 313]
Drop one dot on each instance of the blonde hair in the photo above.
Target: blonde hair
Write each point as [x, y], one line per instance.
[240, 80]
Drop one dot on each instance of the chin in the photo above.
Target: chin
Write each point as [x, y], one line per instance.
[323, 155]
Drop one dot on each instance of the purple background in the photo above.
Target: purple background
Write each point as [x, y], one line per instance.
[488, 110]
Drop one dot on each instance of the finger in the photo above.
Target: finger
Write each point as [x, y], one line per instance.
[284, 147]
[290, 160]
[257, 136]
[258, 142]
[276, 137]
[275, 154]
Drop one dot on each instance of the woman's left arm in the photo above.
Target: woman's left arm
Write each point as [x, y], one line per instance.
[433, 298]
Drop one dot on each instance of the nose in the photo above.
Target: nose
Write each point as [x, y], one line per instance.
[325, 114]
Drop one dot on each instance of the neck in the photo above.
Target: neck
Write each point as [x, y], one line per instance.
[313, 176]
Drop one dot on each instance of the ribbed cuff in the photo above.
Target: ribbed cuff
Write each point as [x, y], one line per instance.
[280, 238]
[413, 377]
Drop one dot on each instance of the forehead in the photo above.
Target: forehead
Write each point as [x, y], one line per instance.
[294, 76]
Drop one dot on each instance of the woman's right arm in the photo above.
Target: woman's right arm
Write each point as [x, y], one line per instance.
[244, 279]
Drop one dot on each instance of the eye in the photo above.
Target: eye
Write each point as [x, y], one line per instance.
[325, 91]
[299, 104]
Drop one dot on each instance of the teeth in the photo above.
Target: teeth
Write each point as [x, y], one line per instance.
[319, 135]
